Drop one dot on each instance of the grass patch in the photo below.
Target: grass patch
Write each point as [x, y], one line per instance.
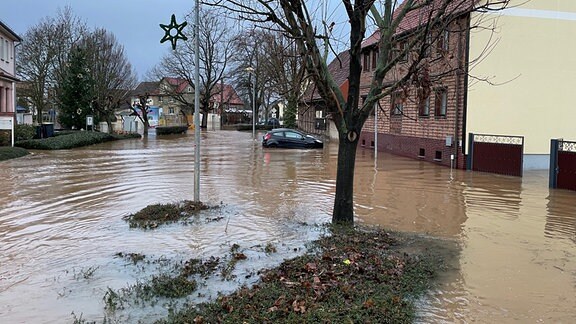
[354, 275]
[7, 152]
[72, 140]
[154, 215]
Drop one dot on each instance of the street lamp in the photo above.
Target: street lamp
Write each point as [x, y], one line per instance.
[251, 70]
[173, 37]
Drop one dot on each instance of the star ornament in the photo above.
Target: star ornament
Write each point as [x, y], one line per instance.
[173, 32]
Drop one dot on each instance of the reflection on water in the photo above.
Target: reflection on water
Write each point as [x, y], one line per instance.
[61, 212]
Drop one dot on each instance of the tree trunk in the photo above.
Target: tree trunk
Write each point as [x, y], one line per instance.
[109, 123]
[344, 200]
[204, 120]
[145, 122]
[290, 112]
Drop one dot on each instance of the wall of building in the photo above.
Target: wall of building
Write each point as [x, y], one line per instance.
[532, 67]
[410, 132]
[7, 53]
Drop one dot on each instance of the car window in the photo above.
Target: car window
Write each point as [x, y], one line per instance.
[293, 135]
[281, 134]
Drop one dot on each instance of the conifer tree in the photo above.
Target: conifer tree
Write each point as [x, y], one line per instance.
[75, 94]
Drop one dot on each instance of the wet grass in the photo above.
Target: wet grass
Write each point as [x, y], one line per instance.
[351, 276]
[7, 152]
[155, 215]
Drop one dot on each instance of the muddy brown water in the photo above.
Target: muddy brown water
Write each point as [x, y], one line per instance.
[61, 217]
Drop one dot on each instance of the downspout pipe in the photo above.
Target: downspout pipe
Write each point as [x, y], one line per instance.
[466, 77]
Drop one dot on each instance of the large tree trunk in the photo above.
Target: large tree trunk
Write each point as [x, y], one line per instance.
[344, 200]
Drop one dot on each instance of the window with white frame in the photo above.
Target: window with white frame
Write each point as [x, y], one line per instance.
[423, 103]
[441, 102]
[443, 42]
[397, 103]
[2, 48]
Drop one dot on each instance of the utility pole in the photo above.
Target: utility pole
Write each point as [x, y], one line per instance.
[197, 104]
[173, 38]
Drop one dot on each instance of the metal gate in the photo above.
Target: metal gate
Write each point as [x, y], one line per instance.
[563, 164]
[499, 154]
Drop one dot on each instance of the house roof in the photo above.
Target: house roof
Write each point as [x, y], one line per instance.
[179, 84]
[338, 68]
[150, 88]
[8, 30]
[413, 19]
[226, 94]
[418, 17]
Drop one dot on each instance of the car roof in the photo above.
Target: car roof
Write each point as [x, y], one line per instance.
[285, 129]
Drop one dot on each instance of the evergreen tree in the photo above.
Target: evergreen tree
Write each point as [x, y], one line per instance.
[75, 93]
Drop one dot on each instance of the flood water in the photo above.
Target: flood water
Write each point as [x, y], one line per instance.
[61, 215]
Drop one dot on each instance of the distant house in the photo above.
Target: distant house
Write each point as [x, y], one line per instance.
[312, 114]
[168, 100]
[228, 105]
[7, 76]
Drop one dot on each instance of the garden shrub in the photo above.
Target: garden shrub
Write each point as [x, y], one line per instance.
[24, 132]
[76, 139]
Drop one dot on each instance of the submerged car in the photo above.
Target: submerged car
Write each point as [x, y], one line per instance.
[290, 138]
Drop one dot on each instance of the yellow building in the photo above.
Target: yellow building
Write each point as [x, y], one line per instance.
[523, 75]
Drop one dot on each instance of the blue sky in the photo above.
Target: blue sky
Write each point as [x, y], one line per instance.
[133, 22]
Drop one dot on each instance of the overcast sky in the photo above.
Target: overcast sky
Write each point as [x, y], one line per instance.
[135, 23]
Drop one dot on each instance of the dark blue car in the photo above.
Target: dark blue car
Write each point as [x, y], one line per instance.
[290, 138]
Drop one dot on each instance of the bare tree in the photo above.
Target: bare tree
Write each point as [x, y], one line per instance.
[111, 71]
[140, 109]
[349, 114]
[43, 55]
[284, 68]
[247, 73]
[215, 52]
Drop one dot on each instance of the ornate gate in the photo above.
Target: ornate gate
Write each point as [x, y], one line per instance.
[563, 164]
[496, 154]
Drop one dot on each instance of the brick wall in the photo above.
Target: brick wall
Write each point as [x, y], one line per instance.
[408, 133]
[411, 147]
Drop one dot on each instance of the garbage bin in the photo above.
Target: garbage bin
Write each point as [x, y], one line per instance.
[48, 130]
[38, 132]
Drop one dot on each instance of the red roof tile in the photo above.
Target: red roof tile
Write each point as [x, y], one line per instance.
[179, 84]
[227, 95]
[338, 69]
[420, 16]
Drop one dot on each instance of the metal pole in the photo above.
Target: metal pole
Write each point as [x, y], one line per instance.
[376, 134]
[254, 110]
[197, 105]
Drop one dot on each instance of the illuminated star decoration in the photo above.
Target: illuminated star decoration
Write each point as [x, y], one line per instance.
[168, 31]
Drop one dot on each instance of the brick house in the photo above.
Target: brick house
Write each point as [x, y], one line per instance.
[422, 122]
[486, 81]
[312, 116]
[7, 76]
